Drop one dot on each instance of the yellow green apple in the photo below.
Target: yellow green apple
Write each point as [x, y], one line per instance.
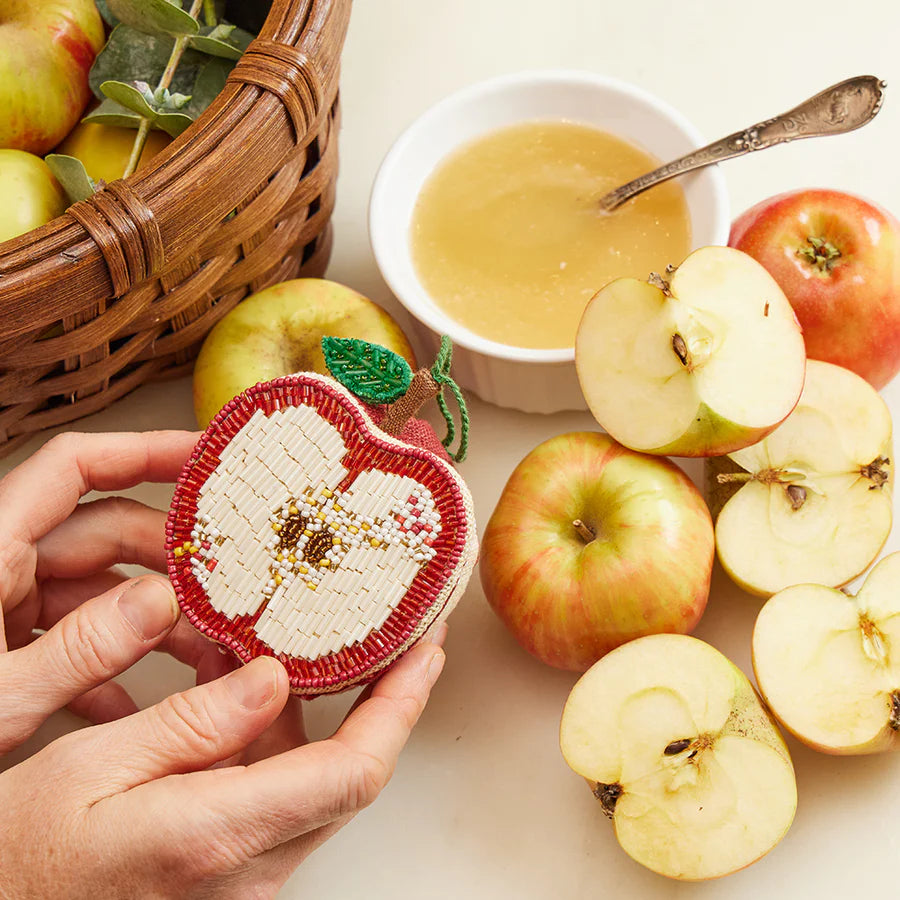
[702, 362]
[31, 195]
[682, 756]
[104, 150]
[279, 331]
[827, 662]
[592, 544]
[46, 52]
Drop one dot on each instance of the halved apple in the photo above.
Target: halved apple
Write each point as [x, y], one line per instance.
[706, 362]
[814, 502]
[828, 663]
[682, 756]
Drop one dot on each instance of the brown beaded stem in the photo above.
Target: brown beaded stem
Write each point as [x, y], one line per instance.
[422, 389]
[123, 288]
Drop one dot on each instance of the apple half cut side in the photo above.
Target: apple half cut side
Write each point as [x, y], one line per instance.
[813, 502]
[682, 756]
[828, 665]
[703, 363]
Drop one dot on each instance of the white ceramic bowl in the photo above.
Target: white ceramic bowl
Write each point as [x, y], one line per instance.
[522, 378]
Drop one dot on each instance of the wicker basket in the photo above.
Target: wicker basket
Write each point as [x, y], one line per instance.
[123, 287]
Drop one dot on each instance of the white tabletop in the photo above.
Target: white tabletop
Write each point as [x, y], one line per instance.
[482, 804]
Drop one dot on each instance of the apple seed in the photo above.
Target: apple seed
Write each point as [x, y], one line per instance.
[797, 495]
[608, 795]
[681, 350]
[894, 720]
[677, 747]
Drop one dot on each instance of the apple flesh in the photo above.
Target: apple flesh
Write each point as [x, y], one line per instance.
[31, 195]
[46, 52]
[828, 665]
[592, 544]
[682, 756]
[814, 499]
[837, 258]
[279, 331]
[704, 362]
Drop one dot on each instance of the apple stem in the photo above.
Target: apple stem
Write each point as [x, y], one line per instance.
[164, 81]
[727, 477]
[584, 531]
[876, 472]
[821, 253]
[659, 282]
[894, 720]
[608, 795]
[423, 387]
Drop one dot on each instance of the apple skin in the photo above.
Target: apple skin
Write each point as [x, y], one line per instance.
[46, 53]
[106, 149]
[31, 195]
[850, 310]
[279, 331]
[569, 602]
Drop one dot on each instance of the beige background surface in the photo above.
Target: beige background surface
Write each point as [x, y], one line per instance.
[482, 805]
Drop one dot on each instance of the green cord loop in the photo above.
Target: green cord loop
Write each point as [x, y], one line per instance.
[440, 371]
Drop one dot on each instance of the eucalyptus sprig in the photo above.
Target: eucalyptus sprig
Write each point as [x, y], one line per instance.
[160, 69]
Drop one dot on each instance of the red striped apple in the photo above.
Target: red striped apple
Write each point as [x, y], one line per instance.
[703, 362]
[591, 545]
[46, 53]
[682, 756]
[837, 258]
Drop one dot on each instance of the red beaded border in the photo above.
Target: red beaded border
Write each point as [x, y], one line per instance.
[361, 662]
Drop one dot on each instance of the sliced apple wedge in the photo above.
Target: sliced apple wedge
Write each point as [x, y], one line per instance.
[682, 756]
[814, 502]
[828, 663]
[703, 363]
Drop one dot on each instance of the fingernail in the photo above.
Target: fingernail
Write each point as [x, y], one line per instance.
[254, 685]
[149, 606]
[434, 668]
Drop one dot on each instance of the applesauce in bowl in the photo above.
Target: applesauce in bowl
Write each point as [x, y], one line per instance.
[508, 239]
[497, 367]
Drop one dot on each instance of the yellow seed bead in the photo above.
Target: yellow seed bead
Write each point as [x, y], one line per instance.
[179, 551]
[311, 585]
[195, 549]
[335, 540]
[364, 526]
[276, 526]
[337, 508]
[375, 542]
[292, 558]
[327, 493]
[278, 579]
[325, 563]
[352, 529]
[186, 545]
[320, 516]
[303, 570]
[293, 510]
[308, 533]
[280, 557]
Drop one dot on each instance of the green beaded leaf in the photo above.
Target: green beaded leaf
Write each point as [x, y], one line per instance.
[375, 374]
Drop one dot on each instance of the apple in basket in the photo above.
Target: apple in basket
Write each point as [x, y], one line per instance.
[682, 756]
[704, 361]
[302, 530]
[837, 258]
[46, 52]
[279, 331]
[31, 196]
[592, 544]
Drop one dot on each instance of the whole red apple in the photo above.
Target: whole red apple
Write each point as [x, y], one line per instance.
[592, 545]
[837, 258]
[46, 52]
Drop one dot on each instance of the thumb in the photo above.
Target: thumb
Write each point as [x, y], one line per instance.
[189, 731]
[95, 642]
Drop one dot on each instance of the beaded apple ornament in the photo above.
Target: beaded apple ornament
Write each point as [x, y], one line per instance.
[318, 522]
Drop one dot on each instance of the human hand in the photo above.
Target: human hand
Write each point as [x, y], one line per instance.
[204, 794]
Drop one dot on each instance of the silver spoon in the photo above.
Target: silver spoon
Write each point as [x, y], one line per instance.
[842, 107]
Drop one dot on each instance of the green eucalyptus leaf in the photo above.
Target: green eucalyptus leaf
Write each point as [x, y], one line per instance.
[226, 41]
[111, 113]
[135, 96]
[108, 17]
[155, 17]
[172, 123]
[72, 175]
[374, 373]
[210, 81]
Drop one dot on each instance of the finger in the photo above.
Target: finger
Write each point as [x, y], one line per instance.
[61, 596]
[71, 464]
[95, 642]
[19, 622]
[105, 703]
[191, 730]
[104, 533]
[278, 799]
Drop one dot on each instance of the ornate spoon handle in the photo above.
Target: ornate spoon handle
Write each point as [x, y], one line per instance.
[836, 110]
